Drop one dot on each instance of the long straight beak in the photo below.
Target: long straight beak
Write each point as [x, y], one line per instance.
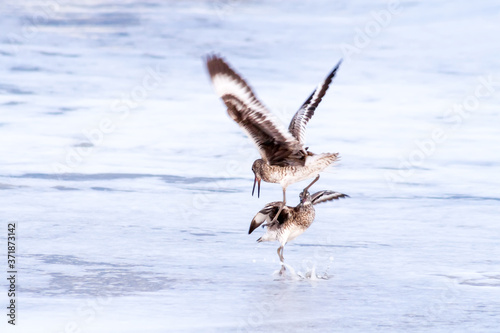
[256, 180]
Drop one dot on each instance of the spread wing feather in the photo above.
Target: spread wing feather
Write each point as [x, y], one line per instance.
[323, 196]
[276, 145]
[268, 213]
[299, 121]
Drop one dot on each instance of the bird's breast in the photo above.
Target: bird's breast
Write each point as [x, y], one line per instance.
[304, 217]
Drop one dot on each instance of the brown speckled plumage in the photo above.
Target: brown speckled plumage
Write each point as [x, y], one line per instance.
[292, 221]
[285, 159]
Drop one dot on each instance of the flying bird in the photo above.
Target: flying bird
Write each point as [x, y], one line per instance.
[285, 159]
[293, 221]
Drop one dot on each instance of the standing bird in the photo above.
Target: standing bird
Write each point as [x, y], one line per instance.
[293, 221]
[284, 160]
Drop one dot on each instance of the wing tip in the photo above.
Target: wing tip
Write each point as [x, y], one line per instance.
[319, 197]
[212, 56]
[254, 225]
[333, 72]
[215, 63]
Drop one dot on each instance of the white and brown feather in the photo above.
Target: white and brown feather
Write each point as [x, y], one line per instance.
[299, 121]
[274, 141]
[292, 221]
[323, 196]
[285, 160]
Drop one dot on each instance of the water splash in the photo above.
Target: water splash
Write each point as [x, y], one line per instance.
[309, 274]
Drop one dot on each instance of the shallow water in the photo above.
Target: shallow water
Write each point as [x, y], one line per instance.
[130, 185]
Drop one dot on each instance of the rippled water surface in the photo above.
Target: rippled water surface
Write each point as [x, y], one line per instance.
[131, 187]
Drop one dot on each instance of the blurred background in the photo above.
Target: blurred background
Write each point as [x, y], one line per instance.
[131, 187]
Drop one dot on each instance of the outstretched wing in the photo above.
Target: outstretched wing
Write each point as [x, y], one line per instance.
[323, 196]
[303, 115]
[274, 142]
[268, 213]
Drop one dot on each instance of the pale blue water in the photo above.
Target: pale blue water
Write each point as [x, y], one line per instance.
[131, 186]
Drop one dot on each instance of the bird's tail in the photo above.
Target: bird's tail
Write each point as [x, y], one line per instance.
[322, 161]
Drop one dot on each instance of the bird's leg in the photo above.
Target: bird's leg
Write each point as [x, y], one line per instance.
[281, 207]
[314, 181]
[279, 211]
[280, 254]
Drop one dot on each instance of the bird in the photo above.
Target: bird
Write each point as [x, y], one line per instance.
[293, 221]
[284, 158]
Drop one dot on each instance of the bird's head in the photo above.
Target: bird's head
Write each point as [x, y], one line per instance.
[304, 196]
